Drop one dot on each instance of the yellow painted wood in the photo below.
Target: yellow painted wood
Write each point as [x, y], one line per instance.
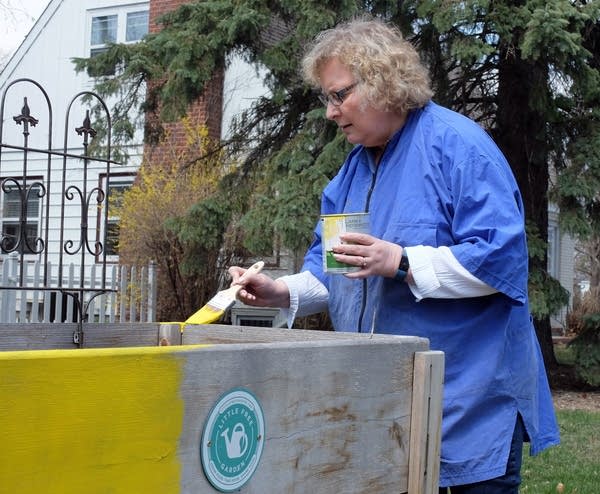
[93, 421]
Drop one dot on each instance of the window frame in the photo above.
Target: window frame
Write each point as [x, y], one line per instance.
[105, 40]
[116, 180]
[122, 14]
[127, 25]
[36, 220]
[553, 247]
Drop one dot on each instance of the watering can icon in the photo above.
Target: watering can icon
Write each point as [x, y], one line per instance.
[236, 444]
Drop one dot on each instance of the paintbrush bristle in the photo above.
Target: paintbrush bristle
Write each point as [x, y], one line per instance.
[222, 300]
[214, 308]
[205, 315]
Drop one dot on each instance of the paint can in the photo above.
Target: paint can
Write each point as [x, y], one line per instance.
[332, 226]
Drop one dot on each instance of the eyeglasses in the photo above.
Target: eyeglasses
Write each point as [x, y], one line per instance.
[336, 98]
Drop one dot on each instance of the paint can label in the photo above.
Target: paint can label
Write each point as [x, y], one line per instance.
[333, 225]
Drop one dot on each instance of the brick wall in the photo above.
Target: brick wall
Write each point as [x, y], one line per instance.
[208, 109]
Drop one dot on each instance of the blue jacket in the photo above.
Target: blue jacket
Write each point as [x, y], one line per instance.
[443, 182]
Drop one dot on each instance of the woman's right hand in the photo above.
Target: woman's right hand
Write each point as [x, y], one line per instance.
[259, 289]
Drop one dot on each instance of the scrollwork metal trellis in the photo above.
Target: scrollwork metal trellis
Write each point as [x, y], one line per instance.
[83, 195]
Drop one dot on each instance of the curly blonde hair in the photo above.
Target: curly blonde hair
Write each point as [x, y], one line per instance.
[388, 67]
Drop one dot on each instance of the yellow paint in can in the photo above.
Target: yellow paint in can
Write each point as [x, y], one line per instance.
[333, 225]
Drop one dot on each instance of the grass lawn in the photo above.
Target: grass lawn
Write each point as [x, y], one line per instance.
[573, 467]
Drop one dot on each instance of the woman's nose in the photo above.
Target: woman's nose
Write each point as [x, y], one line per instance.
[332, 111]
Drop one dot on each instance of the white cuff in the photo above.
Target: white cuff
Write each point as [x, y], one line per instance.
[438, 274]
[307, 296]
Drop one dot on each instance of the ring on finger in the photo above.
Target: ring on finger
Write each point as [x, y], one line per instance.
[364, 262]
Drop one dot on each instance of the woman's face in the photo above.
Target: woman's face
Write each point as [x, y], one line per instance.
[359, 121]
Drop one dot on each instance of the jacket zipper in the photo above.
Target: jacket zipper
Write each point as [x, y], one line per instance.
[364, 282]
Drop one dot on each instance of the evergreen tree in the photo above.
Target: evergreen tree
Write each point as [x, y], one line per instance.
[527, 70]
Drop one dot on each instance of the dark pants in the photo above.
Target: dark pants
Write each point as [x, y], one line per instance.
[507, 483]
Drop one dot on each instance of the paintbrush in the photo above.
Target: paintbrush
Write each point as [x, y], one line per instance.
[222, 301]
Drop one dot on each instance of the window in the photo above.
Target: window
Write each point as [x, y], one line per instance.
[137, 26]
[116, 188]
[111, 239]
[11, 212]
[121, 27]
[104, 30]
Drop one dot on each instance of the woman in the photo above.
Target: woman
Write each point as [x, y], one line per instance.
[446, 257]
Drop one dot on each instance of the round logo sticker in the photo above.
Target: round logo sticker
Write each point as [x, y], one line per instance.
[232, 440]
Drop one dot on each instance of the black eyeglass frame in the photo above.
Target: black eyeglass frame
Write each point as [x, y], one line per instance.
[336, 98]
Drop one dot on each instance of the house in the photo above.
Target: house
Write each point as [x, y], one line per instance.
[46, 127]
[66, 29]
[39, 80]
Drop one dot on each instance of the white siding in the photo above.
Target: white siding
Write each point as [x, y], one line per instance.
[561, 263]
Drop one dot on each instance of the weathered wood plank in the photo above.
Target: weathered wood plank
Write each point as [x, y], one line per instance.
[60, 336]
[169, 334]
[15, 336]
[221, 333]
[337, 412]
[120, 335]
[425, 433]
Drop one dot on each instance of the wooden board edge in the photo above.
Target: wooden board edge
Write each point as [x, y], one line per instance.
[426, 423]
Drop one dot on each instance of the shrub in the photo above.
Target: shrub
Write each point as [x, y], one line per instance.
[583, 305]
[587, 349]
[162, 193]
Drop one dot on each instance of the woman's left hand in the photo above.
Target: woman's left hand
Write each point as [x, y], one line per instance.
[374, 256]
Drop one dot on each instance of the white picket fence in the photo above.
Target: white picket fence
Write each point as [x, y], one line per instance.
[130, 295]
